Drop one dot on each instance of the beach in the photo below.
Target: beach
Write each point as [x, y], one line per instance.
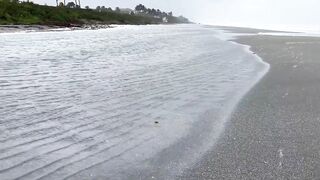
[273, 132]
[159, 102]
[132, 102]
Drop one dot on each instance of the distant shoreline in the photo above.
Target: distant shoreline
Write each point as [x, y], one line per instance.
[16, 16]
[53, 28]
[49, 28]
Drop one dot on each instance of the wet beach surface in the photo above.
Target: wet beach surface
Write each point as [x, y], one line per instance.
[120, 103]
[274, 131]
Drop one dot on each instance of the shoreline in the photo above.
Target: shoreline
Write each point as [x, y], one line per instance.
[185, 107]
[273, 132]
[180, 153]
[8, 29]
[269, 129]
[48, 28]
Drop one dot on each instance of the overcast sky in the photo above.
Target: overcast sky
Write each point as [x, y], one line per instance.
[272, 14]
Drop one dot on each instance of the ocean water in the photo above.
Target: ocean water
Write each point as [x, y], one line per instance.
[122, 103]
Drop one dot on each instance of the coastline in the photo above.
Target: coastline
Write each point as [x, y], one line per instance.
[4, 29]
[197, 94]
[173, 160]
[273, 132]
[47, 28]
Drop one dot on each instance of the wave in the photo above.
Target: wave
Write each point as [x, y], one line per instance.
[115, 102]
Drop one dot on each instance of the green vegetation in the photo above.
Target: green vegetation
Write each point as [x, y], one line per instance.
[27, 13]
[156, 13]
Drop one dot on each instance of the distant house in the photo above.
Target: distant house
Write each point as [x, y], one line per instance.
[165, 20]
[139, 12]
[126, 10]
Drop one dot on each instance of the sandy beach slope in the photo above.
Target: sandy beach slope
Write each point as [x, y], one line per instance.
[274, 133]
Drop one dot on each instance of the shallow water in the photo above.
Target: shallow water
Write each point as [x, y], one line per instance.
[83, 104]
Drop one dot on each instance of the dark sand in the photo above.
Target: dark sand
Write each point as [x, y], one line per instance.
[274, 133]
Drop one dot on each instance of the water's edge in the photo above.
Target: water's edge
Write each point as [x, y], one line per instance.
[81, 110]
[172, 162]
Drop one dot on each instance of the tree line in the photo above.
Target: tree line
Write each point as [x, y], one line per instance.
[142, 10]
[75, 4]
[153, 12]
[24, 12]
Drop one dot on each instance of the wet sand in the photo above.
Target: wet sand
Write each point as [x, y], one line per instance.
[274, 133]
